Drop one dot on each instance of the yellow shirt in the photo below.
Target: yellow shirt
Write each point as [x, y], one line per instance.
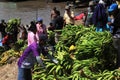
[118, 2]
[67, 19]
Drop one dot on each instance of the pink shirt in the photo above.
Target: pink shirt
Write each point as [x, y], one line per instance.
[41, 29]
[31, 38]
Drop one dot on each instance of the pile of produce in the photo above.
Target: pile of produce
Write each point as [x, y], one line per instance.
[8, 56]
[17, 46]
[12, 25]
[83, 54]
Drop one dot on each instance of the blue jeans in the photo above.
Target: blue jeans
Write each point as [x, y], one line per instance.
[24, 74]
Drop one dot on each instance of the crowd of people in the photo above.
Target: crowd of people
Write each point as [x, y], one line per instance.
[99, 14]
[37, 38]
[104, 16]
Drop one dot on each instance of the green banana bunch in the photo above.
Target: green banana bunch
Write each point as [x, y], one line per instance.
[12, 25]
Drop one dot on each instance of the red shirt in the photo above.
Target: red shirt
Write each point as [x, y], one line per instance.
[79, 17]
[5, 39]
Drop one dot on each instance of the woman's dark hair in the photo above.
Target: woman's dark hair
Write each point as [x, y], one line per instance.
[32, 26]
[32, 23]
[54, 8]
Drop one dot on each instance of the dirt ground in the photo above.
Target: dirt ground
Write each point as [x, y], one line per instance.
[9, 71]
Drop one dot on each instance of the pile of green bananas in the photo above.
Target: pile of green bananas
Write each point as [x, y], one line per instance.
[6, 56]
[83, 54]
[12, 25]
[15, 51]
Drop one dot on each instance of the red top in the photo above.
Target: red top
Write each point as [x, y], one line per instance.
[79, 17]
[5, 39]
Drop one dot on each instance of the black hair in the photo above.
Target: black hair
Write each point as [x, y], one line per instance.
[57, 12]
[32, 26]
[51, 24]
[54, 8]
[32, 23]
[2, 20]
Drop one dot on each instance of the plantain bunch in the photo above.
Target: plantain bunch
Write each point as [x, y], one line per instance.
[83, 54]
[6, 56]
[12, 25]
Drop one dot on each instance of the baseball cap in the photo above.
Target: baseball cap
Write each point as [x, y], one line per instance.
[113, 7]
[39, 19]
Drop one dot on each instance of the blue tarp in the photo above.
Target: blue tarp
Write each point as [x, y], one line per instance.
[0, 39]
[0, 43]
